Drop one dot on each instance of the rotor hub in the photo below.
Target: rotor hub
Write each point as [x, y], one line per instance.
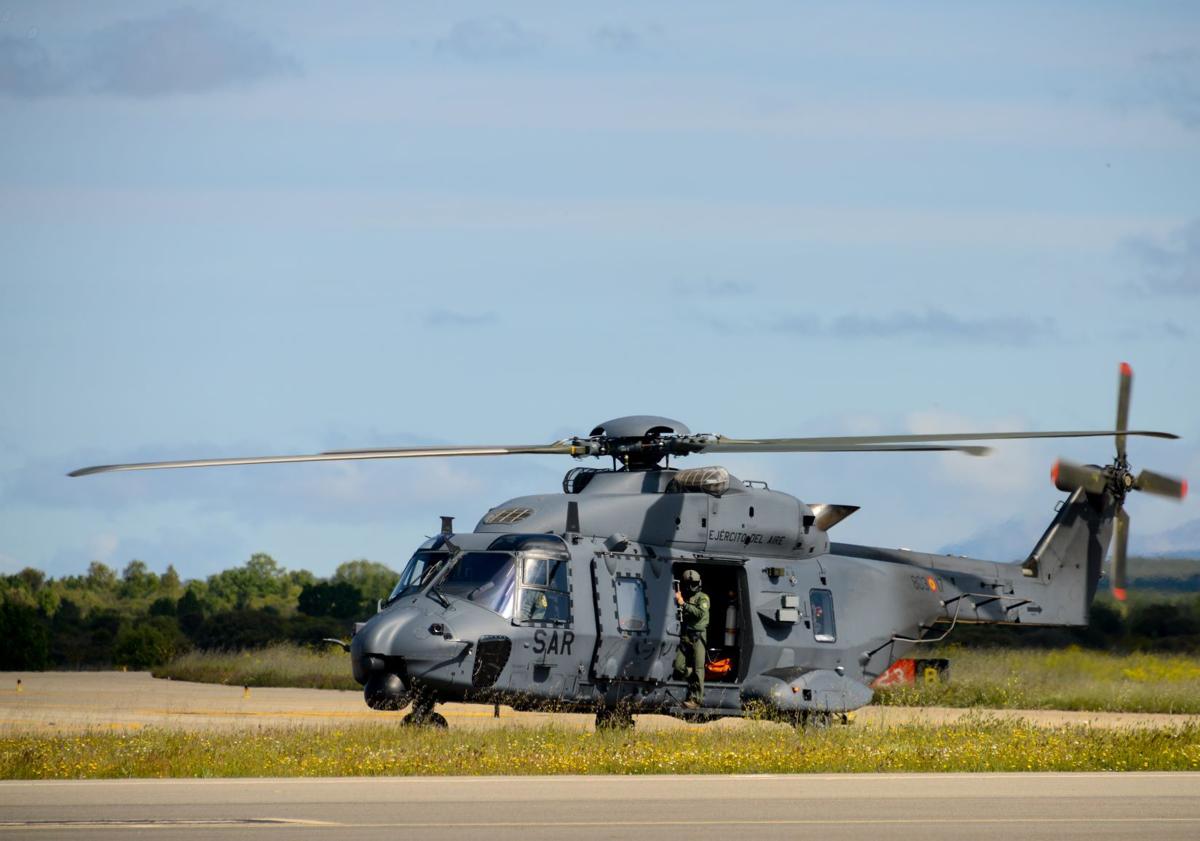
[639, 442]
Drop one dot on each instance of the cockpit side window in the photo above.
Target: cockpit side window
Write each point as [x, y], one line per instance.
[545, 589]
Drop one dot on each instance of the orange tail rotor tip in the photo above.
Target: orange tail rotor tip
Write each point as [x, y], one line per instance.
[1126, 371]
[1054, 473]
[1183, 490]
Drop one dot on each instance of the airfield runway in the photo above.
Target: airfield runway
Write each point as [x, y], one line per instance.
[982, 807]
[65, 702]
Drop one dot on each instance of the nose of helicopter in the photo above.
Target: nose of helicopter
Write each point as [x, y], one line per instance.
[413, 643]
[375, 642]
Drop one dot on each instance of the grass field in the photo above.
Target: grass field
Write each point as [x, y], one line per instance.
[1067, 679]
[975, 744]
[277, 665]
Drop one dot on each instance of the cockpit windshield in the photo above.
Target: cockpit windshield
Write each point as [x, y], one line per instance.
[486, 578]
[419, 571]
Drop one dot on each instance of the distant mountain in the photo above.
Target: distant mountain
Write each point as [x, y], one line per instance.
[1011, 540]
[1179, 542]
[1014, 538]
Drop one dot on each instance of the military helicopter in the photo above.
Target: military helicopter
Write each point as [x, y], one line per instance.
[566, 601]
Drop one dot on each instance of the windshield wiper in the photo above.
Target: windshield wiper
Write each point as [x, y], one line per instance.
[434, 588]
[437, 595]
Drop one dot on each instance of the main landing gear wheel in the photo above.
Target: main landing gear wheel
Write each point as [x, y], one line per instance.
[430, 719]
[422, 714]
[610, 719]
[816, 720]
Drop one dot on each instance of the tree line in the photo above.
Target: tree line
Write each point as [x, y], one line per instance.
[141, 619]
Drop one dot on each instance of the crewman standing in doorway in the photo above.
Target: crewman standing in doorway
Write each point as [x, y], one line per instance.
[689, 658]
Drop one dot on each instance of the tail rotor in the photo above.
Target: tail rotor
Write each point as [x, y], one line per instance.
[1119, 480]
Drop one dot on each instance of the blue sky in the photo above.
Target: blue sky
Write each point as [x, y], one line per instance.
[232, 229]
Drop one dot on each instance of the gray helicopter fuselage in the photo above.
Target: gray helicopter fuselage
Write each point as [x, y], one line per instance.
[810, 624]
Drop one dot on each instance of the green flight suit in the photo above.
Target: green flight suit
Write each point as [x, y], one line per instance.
[689, 657]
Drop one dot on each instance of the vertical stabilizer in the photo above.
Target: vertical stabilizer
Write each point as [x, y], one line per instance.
[1069, 557]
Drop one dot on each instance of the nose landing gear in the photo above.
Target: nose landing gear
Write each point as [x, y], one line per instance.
[386, 691]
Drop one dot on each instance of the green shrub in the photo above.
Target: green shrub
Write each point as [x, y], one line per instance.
[148, 643]
[25, 636]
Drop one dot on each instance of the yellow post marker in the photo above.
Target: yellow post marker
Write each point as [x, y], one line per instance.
[20, 688]
[245, 691]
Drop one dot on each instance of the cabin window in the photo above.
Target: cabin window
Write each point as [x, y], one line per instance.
[631, 604]
[824, 629]
[545, 593]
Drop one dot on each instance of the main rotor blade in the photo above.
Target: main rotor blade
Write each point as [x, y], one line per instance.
[1156, 483]
[346, 455]
[804, 445]
[857, 442]
[1120, 544]
[1124, 387]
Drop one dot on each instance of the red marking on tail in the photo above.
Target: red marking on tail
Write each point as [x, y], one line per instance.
[1183, 490]
[1054, 473]
[1119, 593]
[1126, 371]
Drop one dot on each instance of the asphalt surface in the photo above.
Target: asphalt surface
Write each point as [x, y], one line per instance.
[65, 702]
[981, 807]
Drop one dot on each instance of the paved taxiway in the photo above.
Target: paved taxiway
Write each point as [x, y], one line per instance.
[63, 702]
[982, 807]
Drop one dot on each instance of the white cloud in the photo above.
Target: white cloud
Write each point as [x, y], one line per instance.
[26, 69]
[490, 39]
[307, 209]
[1007, 470]
[1170, 265]
[931, 325]
[102, 547]
[182, 50]
[1172, 81]
[9, 564]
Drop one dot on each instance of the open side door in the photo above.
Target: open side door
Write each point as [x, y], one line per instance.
[637, 625]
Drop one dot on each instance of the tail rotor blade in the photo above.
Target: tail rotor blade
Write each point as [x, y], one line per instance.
[1156, 483]
[1067, 476]
[1120, 544]
[1124, 388]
